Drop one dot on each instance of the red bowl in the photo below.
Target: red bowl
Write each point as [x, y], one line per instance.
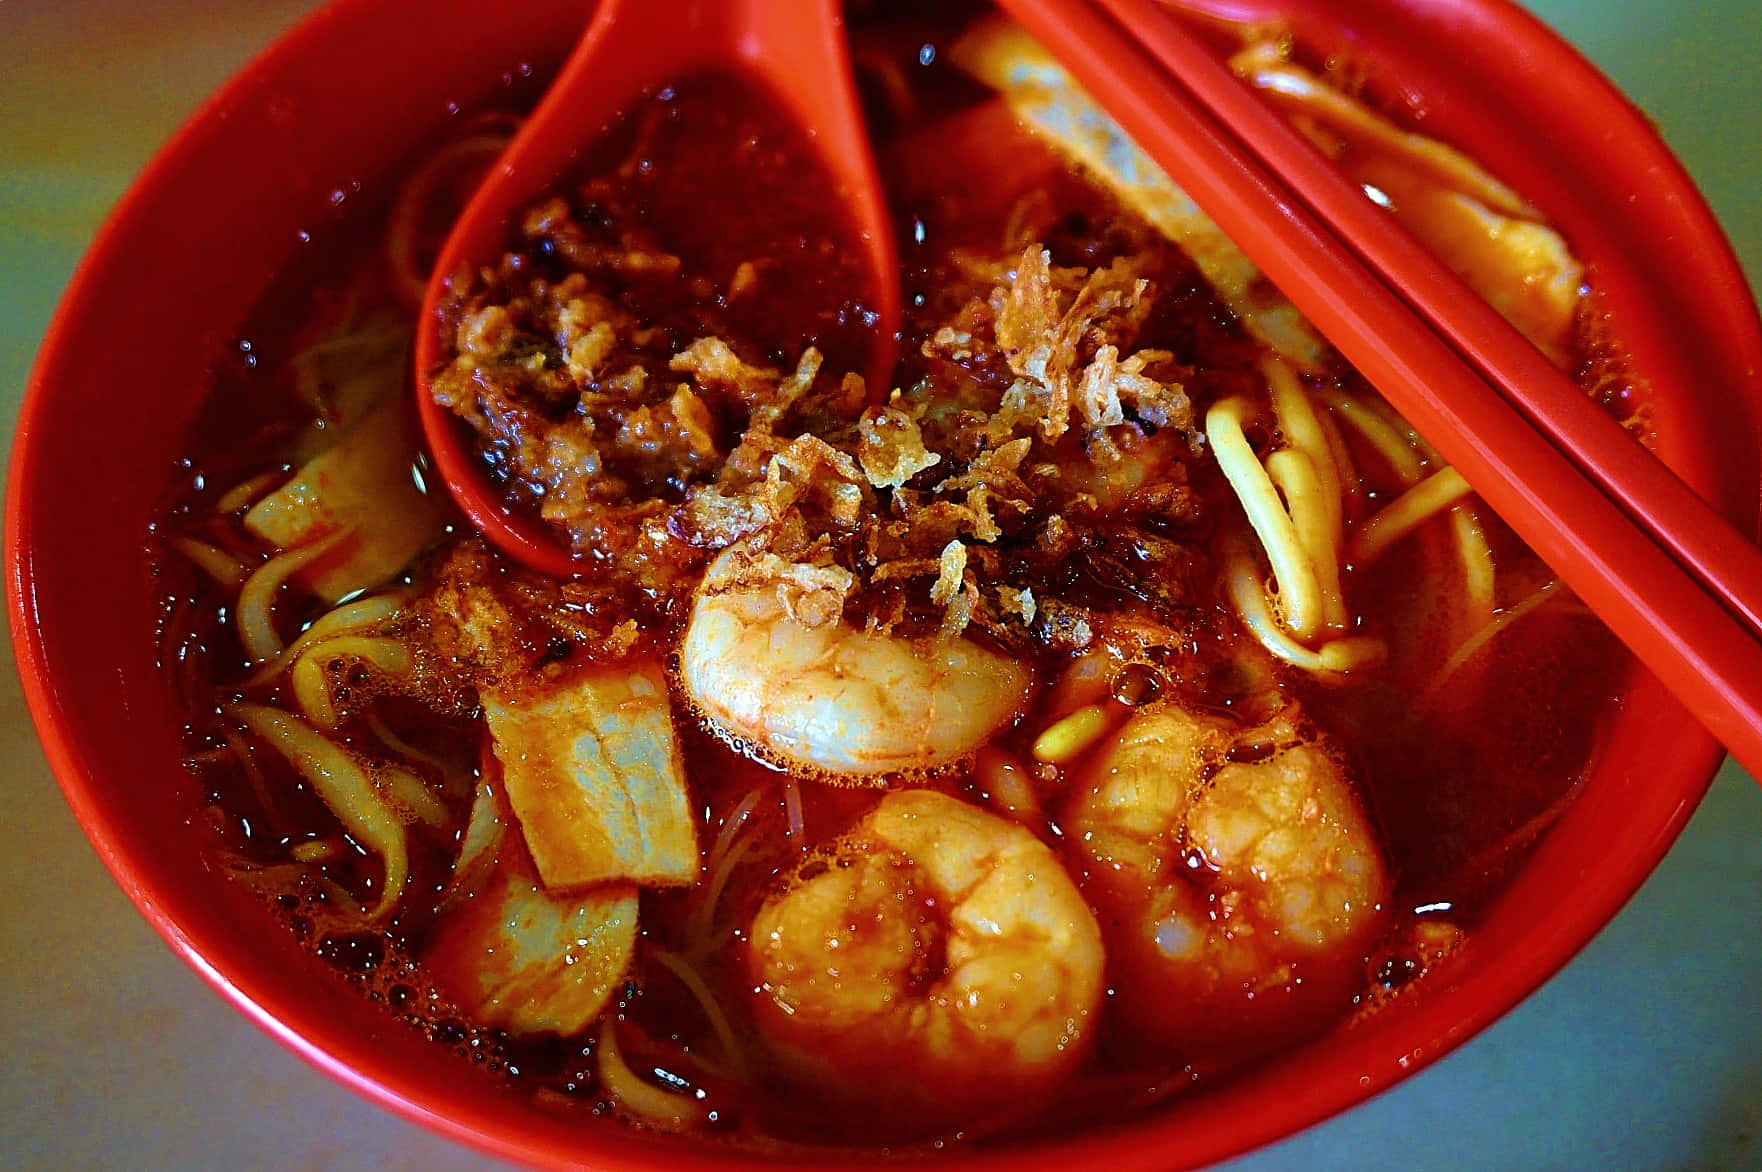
[225, 205]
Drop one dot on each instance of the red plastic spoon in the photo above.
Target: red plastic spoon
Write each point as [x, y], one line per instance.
[792, 51]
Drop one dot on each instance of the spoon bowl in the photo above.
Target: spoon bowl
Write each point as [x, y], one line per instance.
[793, 53]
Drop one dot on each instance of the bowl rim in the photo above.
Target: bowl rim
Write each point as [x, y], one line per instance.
[289, 1024]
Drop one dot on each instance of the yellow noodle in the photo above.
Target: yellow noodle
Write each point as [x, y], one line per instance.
[1315, 513]
[454, 779]
[1335, 658]
[316, 850]
[1005, 781]
[351, 616]
[1394, 444]
[792, 808]
[312, 692]
[1085, 681]
[637, 1096]
[1478, 585]
[1067, 737]
[1313, 494]
[1406, 513]
[253, 775]
[1299, 595]
[1352, 653]
[257, 595]
[179, 650]
[212, 756]
[884, 70]
[1264, 66]
[477, 847]
[406, 217]
[1351, 484]
[311, 678]
[346, 345]
[223, 567]
[725, 1037]
[245, 492]
[409, 791]
[280, 878]
[730, 827]
[338, 779]
[1302, 429]
[1471, 544]
[703, 921]
[1474, 643]
[1405, 454]
[1486, 860]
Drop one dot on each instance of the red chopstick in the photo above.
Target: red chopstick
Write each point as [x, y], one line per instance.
[1669, 576]
[1646, 490]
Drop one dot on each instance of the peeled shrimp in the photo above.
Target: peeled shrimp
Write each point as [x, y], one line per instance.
[1241, 881]
[835, 700]
[935, 958]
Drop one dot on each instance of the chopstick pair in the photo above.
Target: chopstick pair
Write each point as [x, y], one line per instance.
[1668, 575]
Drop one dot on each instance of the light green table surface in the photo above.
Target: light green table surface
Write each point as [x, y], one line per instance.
[1645, 1053]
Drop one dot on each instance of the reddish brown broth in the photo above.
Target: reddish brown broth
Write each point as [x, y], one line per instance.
[1456, 791]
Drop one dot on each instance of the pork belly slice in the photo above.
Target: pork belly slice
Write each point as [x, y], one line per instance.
[529, 960]
[592, 768]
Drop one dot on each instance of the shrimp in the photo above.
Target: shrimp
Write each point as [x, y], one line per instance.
[935, 958]
[785, 674]
[1238, 874]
